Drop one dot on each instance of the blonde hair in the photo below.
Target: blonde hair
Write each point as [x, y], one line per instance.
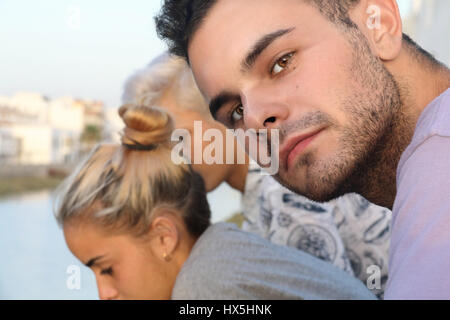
[163, 73]
[125, 183]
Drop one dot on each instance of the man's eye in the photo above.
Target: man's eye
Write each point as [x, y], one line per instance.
[237, 113]
[281, 64]
[107, 271]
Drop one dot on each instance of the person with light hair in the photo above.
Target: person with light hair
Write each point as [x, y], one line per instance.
[141, 223]
[168, 82]
[350, 232]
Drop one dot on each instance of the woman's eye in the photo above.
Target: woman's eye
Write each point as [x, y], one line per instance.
[237, 113]
[108, 271]
[281, 63]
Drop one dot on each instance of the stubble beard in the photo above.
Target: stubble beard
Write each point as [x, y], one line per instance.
[370, 144]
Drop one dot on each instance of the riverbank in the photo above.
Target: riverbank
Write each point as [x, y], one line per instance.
[18, 185]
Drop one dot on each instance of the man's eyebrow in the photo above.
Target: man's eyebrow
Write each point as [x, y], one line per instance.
[260, 46]
[218, 101]
[91, 262]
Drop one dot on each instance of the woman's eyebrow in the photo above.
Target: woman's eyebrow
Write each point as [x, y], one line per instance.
[92, 261]
[259, 47]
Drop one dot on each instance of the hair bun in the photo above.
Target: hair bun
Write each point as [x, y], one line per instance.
[145, 126]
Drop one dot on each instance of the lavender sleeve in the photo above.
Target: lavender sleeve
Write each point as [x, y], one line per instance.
[420, 243]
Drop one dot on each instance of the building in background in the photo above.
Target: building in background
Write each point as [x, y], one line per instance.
[35, 130]
[113, 125]
[25, 131]
[66, 119]
[93, 124]
[9, 147]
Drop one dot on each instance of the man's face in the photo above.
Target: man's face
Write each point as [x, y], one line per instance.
[266, 64]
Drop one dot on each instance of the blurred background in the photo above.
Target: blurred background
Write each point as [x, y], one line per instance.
[62, 68]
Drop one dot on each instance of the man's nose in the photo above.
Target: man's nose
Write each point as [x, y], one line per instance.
[263, 110]
[106, 290]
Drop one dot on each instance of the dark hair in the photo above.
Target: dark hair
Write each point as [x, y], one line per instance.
[178, 20]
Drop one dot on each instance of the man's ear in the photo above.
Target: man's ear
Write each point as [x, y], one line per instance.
[381, 23]
[165, 236]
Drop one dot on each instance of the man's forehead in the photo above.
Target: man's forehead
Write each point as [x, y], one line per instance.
[228, 32]
[245, 15]
[212, 49]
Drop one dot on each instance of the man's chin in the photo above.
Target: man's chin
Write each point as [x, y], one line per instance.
[312, 191]
[318, 196]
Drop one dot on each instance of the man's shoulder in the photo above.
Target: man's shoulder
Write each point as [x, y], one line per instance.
[419, 255]
[434, 121]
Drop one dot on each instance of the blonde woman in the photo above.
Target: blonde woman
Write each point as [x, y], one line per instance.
[168, 82]
[141, 223]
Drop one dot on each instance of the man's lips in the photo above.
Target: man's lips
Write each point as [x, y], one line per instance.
[294, 146]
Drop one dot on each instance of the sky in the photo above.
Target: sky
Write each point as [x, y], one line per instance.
[44, 49]
[85, 49]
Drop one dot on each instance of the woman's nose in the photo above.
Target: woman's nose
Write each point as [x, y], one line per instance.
[106, 290]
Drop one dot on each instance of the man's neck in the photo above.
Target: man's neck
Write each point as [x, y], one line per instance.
[420, 81]
[419, 84]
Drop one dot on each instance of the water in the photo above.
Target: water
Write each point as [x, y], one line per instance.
[34, 256]
[34, 259]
